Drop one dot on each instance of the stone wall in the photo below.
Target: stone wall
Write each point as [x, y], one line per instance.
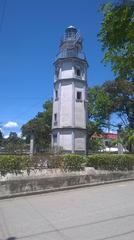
[38, 184]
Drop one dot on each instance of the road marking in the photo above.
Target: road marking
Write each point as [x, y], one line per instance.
[122, 185]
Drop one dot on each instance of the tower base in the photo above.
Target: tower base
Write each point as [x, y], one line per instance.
[69, 140]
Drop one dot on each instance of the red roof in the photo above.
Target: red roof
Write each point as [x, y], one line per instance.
[112, 136]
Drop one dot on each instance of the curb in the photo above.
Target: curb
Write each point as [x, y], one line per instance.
[64, 188]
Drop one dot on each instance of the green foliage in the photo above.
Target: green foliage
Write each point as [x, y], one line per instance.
[117, 37]
[121, 93]
[113, 96]
[131, 139]
[99, 104]
[95, 145]
[73, 162]
[1, 139]
[13, 164]
[127, 136]
[99, 110]
[50, 160]
[13, 144]
[93, 127]
[40, 126]
[1, 136]
[56, 161]
[111, 161]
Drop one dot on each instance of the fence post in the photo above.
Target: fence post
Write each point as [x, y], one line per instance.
[120, 147]
[31, 145]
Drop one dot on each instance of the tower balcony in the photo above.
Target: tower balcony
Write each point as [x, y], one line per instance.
[70, 54]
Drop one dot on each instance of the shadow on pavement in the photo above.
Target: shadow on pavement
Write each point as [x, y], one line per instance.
[11, 238]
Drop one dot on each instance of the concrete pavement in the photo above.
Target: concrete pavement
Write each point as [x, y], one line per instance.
[100, 213]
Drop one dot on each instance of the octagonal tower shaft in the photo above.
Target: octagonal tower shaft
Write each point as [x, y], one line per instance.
[70, 101]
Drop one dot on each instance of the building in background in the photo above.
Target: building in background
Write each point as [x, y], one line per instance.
[106, 137]
[70, 101]
[108, 141]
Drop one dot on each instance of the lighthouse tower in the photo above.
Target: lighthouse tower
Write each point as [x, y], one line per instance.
[69, 102]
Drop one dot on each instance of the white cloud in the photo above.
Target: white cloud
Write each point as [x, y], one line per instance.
[113, 131]
[6, 136]
[19, 134]
[10, 124]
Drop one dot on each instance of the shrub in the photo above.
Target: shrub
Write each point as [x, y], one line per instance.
[56, 161]
[13, 163]
[111, 161]
[70, 162]
[73, 162]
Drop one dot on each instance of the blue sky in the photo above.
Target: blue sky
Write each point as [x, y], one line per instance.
[29, 40]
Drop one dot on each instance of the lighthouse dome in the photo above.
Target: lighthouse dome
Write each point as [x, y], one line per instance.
[71, 27]
[71, 31]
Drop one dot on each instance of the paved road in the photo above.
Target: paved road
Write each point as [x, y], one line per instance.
[98, 213]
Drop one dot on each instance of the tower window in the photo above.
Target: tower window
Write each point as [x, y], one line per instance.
[55, 117]
[55, 138]
[57, 71]
[79, 96]
[56, 94]
[78, 72]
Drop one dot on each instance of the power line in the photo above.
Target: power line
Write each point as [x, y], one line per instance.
[3, 14]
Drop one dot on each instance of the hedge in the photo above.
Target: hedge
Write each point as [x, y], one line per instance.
[111, 161]
[65, 162]
[13, 164]
[72, 162]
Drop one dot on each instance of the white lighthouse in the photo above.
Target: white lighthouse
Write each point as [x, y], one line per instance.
[69, 102]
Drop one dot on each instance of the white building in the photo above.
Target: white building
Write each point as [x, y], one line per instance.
[69, 101]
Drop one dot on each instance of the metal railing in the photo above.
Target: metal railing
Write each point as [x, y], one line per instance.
[71, 37]
[68, 54]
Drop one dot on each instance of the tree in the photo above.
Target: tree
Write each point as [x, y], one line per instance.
[121, 93]
[99, 109]
[13, 144]
[96, 144]
[127, 137]
[117, 37]
[1, 137]
[40, 127]
[13, 137]
[131, 141]
[99, 112]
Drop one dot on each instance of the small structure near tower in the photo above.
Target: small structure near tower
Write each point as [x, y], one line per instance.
[70, 101]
